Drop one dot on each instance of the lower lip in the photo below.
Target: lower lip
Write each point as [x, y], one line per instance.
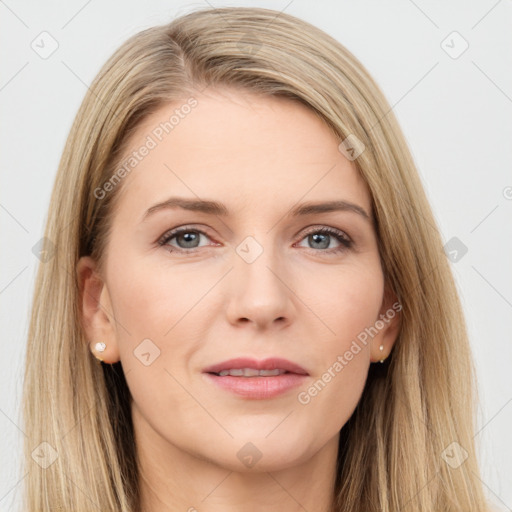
[258, 388]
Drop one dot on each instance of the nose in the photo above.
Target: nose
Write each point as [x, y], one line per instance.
[260, 292]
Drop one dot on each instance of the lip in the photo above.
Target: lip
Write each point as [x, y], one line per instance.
[271, 363]
[257, 388]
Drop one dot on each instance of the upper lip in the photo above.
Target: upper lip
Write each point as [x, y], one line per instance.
[271, 363]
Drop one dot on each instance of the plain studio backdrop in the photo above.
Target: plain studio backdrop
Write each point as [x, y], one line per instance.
[445, 68]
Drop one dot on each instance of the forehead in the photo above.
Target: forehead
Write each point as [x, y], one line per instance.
[241, 148]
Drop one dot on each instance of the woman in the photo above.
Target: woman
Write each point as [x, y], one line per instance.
[247, 304]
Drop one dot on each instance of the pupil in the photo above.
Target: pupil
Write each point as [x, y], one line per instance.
[318, 237]
[189, 239]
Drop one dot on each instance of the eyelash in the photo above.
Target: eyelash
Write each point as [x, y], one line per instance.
[345, 241]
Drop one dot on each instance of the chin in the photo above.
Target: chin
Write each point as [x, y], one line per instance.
[257, 453]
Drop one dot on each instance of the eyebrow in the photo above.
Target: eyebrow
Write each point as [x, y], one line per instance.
[215, 208]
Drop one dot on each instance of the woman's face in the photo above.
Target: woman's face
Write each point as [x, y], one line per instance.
[253, 276]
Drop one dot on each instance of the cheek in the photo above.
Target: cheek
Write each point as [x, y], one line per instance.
[156, 329]
[349, 309]
[161, 315]
[358, 302]
[150, 300]
[347, 300]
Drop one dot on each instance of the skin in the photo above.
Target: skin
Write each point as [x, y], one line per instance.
[260, 157]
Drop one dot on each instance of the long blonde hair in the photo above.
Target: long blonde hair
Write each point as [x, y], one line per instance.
[392, 452]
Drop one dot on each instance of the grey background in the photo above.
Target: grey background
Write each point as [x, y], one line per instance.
[455, 112]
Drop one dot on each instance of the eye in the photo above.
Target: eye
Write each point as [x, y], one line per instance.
[321, 238]
[185, 238]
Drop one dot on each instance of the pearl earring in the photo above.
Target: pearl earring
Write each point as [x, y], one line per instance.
[100, 347]
[381, 348]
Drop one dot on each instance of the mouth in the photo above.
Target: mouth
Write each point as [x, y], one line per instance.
[253, 379]
[249, 367]
[250, 372]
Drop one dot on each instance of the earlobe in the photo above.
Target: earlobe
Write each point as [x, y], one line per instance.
[383, 357]
[95, 311]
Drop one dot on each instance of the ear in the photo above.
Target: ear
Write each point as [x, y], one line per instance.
[388, 325]
[95, 310]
